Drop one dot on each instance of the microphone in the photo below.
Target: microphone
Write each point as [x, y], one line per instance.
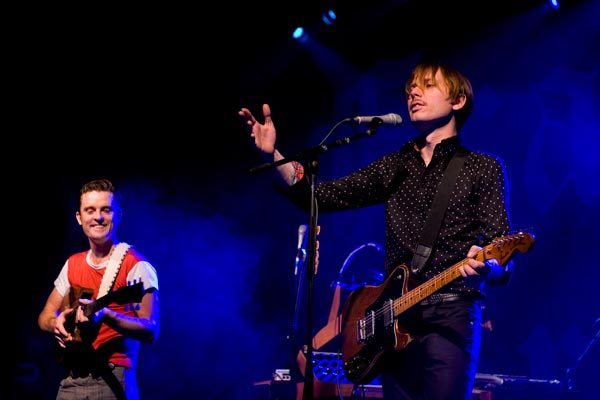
[300, 254]
[301, 234]
[390, 120]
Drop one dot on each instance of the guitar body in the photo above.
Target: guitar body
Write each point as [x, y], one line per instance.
[364, 343]
[72, 301]
[79, 348]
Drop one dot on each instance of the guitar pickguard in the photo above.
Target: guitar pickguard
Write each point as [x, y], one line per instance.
[375, 329]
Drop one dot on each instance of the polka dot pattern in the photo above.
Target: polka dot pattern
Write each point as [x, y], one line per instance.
[477, 210]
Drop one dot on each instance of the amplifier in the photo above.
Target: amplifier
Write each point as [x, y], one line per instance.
[511, 387]
[327, 367]
[330, 381]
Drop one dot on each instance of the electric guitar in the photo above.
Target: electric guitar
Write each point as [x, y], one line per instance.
[123, 295]
[370, 325]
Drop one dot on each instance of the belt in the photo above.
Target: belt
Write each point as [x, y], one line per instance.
[438, 298]
[85, 372]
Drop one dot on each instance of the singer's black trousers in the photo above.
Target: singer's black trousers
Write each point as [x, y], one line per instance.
[441, 362]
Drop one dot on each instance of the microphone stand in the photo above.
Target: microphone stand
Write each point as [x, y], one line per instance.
[292, 338]
[310, 156]
[311, 153]
[570, 376]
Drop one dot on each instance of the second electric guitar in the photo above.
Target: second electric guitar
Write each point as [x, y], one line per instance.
[370, 324]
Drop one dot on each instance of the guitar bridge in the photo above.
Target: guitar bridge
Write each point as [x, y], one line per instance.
[365, 327]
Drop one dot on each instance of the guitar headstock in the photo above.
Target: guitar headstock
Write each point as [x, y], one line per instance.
[504, 247]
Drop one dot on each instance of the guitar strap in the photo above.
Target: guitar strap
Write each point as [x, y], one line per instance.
[112, 268]
[438, 209]
[108, 280]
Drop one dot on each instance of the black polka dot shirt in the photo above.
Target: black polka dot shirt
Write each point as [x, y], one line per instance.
[477, 210]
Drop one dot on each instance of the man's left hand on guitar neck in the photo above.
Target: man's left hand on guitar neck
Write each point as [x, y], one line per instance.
[475, 273]
[88, 321]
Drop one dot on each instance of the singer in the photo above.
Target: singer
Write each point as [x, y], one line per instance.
[440, 363]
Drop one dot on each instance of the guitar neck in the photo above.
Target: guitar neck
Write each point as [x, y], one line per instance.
[126, 294]
[501, 248]
[95, 306]
[426, 289]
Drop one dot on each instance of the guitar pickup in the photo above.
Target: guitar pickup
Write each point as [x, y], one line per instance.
[388, 313]
[367, 326]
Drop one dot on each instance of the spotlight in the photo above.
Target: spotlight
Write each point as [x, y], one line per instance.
[328, 17]
[300, 34]
[554, 4]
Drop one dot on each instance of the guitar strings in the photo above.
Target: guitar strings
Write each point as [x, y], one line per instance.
[419, 293]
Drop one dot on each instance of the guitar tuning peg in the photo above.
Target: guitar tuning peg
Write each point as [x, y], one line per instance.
[132, 307]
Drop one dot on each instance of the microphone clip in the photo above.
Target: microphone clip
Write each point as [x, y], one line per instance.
[375, 123]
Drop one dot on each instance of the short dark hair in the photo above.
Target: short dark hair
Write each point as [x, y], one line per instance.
[101, 185]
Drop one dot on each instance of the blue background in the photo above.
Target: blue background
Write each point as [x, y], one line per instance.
[149, 102]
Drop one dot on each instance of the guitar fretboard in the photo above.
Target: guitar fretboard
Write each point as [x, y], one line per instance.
[426, 289]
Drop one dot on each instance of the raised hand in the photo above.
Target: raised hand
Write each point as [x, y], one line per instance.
[264, 134]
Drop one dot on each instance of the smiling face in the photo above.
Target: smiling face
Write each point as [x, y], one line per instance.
[99, 215]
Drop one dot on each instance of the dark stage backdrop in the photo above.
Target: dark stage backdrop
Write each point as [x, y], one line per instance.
[166, 131]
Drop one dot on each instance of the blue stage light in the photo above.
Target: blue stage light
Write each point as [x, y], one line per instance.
[328, 17]
[300, 34]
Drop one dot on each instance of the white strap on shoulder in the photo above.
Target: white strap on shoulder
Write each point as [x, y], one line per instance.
[112, 269]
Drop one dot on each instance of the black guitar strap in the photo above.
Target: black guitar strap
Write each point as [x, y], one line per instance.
[438, 209]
